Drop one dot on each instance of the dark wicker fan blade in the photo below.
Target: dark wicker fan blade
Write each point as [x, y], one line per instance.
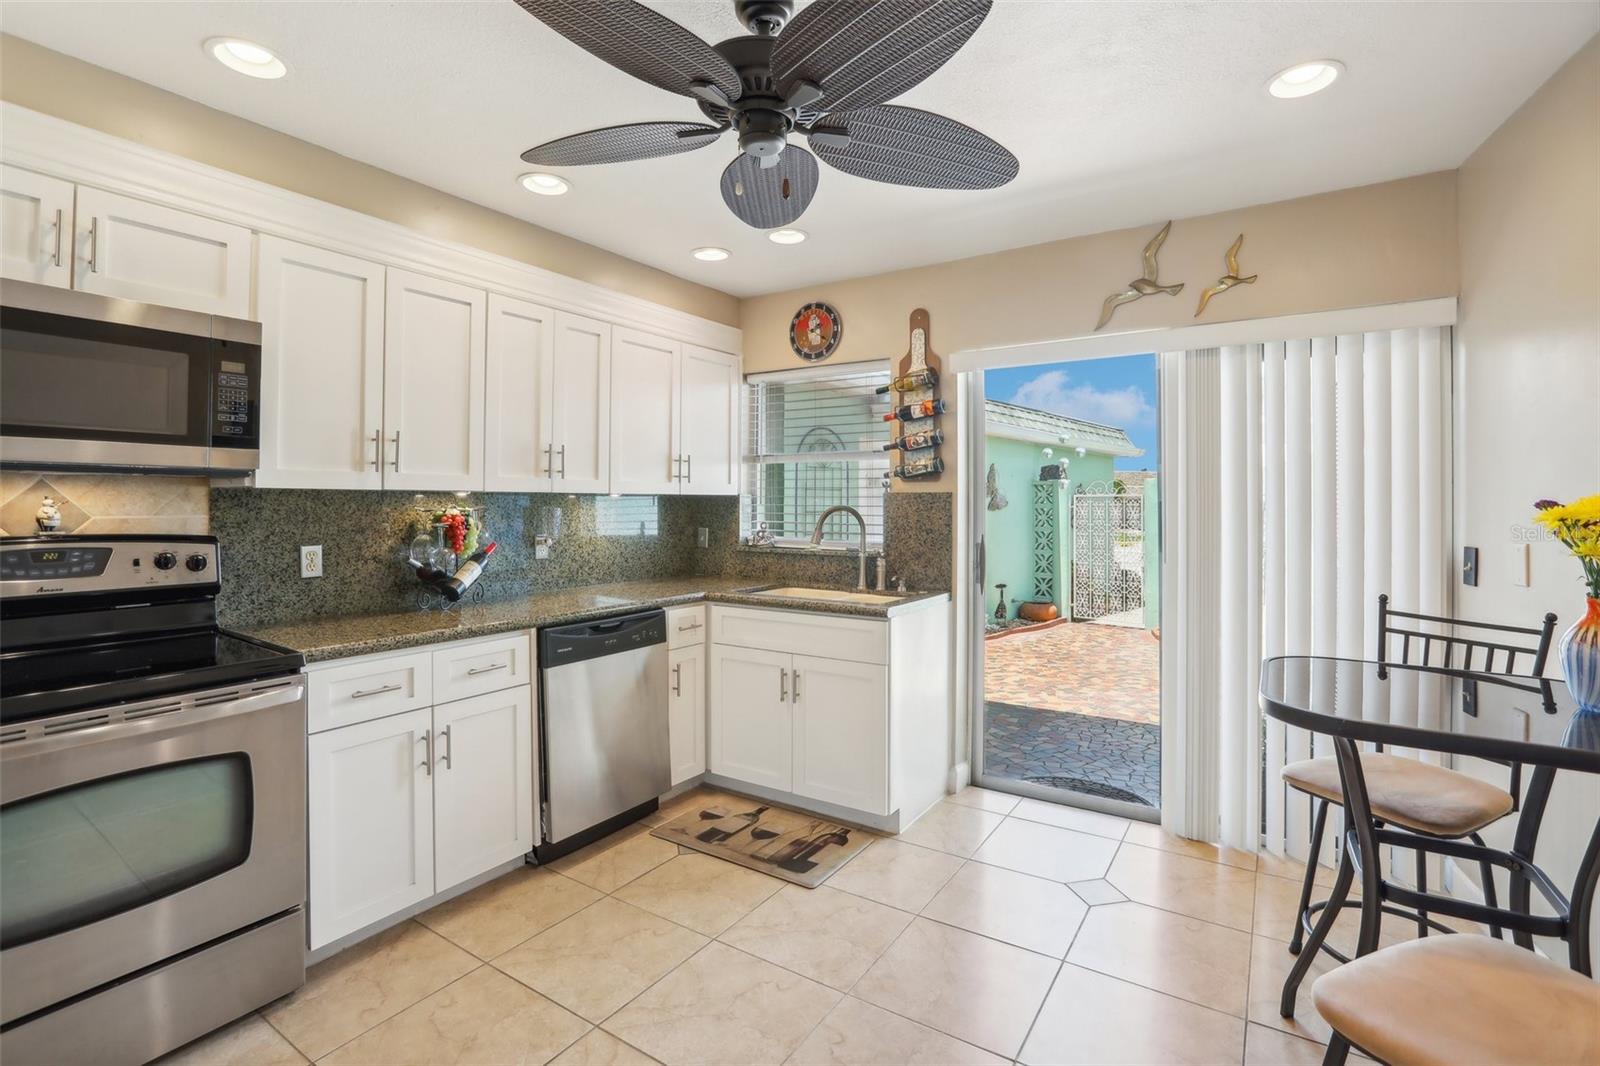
[863, 52]
[635, 39]
[621, 144]
[772, 197]
[904, 146]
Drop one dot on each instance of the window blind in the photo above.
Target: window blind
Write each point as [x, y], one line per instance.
[814, 439]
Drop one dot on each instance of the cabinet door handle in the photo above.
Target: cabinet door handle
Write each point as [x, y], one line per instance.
[563, 462]
[94, 245]
[688, 468]
[677, 468]
[361, 694]
[56, 259]
[677, 680]
[783, 686]
[476, 670]
[797, 686]
[377, 449]
[549, 460]
[427, 752]
[449, 747]
[396, 463]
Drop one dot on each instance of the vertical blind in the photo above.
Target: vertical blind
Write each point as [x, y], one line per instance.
[1317, 471]
[815, 439]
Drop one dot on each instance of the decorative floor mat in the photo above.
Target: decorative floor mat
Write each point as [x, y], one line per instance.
[797, 847]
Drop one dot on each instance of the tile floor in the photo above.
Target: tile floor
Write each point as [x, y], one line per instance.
[994, 930]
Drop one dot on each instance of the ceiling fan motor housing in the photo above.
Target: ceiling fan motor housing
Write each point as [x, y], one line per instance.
[763, 132]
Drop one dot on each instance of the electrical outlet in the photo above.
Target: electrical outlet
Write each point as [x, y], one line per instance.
[702, 536]
[311, 560]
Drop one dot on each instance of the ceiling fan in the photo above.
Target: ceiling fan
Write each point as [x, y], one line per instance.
[825, 74]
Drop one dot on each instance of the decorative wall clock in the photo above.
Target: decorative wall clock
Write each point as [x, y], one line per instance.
[815, 332]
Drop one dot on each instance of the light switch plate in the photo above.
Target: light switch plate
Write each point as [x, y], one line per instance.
[311, 560]
[702, 536]
[1522, 565]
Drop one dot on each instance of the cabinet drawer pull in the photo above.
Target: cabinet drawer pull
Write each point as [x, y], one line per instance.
[94, 245]
[677, 680]
[56, 259]
[783, 686]
[690, 627]
[449, 748]
[361, 694]
[427, 752]
[476, 670]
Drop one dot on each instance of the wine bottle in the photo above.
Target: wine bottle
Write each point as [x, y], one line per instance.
[911, 442]
[912, 469]
[921, 409]
[926, 378]
[456, 585]
[430, 575]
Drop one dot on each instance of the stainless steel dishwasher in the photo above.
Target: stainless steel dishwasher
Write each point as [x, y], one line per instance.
[604, 758]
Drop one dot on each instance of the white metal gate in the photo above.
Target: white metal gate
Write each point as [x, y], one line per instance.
[1107, 554]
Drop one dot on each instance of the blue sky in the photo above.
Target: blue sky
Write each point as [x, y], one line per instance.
[1120, 391]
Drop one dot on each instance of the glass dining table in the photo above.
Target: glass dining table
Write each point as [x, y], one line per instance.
[1530, 725]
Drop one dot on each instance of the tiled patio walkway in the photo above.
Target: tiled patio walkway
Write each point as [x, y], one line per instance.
[1075, 706]
[1104, 671]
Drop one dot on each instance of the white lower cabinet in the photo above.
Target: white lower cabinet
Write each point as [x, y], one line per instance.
[686, 712]
[841, 732]
[482, 783]
[413, 802]
[749, 717]
[371, 823]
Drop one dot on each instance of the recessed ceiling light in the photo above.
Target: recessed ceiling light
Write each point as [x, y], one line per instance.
[1303, 79]
[787, 236]
[710, 254]
[545, 184]
[246, 57]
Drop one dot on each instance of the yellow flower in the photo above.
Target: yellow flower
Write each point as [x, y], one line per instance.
[1582, 511]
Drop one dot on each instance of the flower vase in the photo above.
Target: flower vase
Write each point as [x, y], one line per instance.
[1580, 659]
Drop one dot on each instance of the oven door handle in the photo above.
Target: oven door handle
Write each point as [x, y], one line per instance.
[132, 723]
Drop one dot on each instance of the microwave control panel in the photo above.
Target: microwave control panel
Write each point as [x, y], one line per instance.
[232, 403]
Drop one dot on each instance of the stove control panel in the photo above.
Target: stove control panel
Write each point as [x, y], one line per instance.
[42, 566]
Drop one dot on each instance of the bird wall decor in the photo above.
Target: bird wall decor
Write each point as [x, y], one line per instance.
[1144, 285]
[1228, 280]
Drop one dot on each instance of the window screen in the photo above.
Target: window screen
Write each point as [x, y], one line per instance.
[814, 439]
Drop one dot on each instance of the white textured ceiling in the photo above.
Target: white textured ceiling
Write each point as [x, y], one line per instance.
[1120, 113]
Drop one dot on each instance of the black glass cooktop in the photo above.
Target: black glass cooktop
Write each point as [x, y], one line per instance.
[49, 680]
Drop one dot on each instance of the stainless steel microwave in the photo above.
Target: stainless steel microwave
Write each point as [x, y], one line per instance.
[89, 382]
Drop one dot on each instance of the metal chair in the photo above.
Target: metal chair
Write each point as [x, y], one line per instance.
[1422, 798]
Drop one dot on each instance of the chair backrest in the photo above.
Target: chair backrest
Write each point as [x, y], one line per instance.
[1487, 640]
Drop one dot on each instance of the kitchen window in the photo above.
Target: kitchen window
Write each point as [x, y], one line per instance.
[815, 438]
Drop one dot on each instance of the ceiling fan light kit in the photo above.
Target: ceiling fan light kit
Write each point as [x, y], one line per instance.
[825, 74]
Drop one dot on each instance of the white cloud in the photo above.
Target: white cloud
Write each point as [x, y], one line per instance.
[1054, 391]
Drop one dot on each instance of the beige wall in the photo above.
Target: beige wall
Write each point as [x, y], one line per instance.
[70, 89]
[1378, 244]
[1528, 375]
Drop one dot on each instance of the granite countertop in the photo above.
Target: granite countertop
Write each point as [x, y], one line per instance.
[343, 636]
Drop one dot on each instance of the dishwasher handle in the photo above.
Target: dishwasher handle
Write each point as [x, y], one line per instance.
[562, 645]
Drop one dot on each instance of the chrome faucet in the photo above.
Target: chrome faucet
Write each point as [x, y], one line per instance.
[861, 554]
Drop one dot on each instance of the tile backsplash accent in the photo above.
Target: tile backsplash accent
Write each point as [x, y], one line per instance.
[105, 503]
[365, 537]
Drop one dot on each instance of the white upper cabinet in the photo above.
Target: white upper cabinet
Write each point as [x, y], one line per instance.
[35, 228]
[433, 384]
[710, 420]
[645, 411]
[140, 251]
[517, 403]
[580, 399]
[321, 368]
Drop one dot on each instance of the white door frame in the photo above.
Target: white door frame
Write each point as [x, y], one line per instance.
[967, 366]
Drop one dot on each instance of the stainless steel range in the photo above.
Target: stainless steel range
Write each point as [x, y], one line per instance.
[152, 802]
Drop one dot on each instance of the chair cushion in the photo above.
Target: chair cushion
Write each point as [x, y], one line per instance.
[1408, 793]
[1456, 999]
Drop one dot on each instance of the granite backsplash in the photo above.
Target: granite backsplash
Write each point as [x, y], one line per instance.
[365, 536]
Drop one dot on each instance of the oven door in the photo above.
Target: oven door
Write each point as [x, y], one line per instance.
[132, 834]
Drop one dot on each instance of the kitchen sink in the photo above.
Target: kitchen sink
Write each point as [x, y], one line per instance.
[840, 595]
